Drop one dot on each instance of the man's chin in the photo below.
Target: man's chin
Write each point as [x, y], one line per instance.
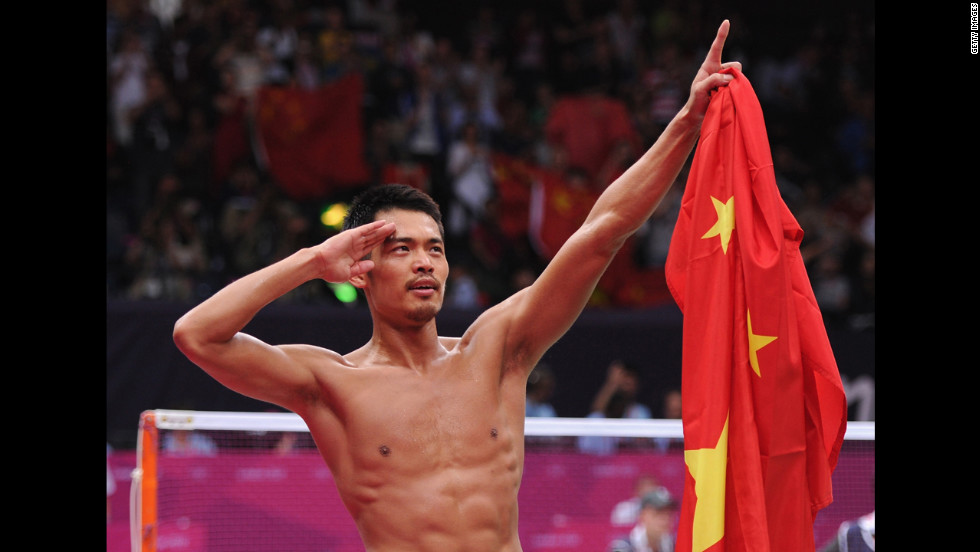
[424, 313]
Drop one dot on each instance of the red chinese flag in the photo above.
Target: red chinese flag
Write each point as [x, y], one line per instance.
[764, 410]
[512, 177]
[558, 208]
[230, 145]
[409, 173]
[588, 127]
[313, 140]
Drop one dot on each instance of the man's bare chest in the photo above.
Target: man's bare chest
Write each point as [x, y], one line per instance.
[426, 420]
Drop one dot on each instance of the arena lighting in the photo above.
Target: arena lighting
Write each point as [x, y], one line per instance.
[333, 214]
[345, 292]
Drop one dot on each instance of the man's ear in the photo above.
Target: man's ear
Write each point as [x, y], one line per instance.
[360, 281]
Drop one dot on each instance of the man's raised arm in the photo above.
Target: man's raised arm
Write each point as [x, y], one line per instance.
[550, 306]
[210, 333]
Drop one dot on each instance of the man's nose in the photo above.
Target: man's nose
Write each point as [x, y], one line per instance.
[423, 264]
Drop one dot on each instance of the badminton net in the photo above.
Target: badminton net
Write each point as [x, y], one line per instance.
[254, 482]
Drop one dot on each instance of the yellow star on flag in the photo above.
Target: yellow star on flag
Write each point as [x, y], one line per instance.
[756, 342]
[726, 222]
[708, 468]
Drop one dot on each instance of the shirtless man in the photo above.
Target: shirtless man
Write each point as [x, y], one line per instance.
[425, 434]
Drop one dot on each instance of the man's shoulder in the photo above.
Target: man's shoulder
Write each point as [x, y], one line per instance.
[492, 320]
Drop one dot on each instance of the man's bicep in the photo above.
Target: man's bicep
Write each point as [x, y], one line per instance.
[276, 374]
[545, 310]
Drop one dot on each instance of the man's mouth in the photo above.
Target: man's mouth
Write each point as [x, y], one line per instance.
[424, 286]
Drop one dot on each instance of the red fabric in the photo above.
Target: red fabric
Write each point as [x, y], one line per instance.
[626, 285]
[558, 208]
[314, 139]
[231, 143]
[412, 174]
[785, 425]
[588, 127]
[512, 178]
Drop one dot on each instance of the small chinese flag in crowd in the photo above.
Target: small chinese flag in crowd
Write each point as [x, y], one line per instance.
[764, 410]
[313, 140]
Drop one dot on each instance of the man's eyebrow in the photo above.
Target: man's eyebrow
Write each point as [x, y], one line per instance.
[408, 239]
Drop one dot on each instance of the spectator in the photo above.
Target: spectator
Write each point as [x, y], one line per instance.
[185, 250]
[480, 73]
[671, 411]
[573, 33]
[230, 110]
[862, 306]
[379, 15]
[110, 484]
[155, 129]
[627, 30]
[496, 258]
[445, 62]
[664, 84]
[192, 155]
[239, 53]
[515, 136]
[540, 388]
[181, 442]
[615, 399]
[654, 530]
[653, 239]
[831, 288]
[471, 181]
[246, 221]
[855, 535]
[672, 405]
[291, 442]
[423, 111]
[305, 65]
[278, 38]
[626, 512]
[463, 291]
[485, 28]
[169, 256]
[127, 83]
[528, 53]
[336, 45]
[210, 63]
[386, 82]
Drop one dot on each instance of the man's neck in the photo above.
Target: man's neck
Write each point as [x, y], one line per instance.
[414, 347]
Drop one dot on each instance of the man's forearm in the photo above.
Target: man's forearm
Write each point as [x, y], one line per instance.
[225, 313]
[634, 196]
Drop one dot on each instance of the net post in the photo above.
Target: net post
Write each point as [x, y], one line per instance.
[146, 525]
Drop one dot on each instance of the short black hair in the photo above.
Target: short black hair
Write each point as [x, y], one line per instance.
[365, 207]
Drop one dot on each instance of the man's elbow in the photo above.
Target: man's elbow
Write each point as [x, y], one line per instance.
[185, 337]
[607, 234]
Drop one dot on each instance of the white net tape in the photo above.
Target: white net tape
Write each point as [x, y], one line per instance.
[533, 427]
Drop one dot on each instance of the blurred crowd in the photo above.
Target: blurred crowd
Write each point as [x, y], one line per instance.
[445, 90]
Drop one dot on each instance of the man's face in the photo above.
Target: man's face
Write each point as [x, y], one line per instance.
[410, 268]
[657, 521]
